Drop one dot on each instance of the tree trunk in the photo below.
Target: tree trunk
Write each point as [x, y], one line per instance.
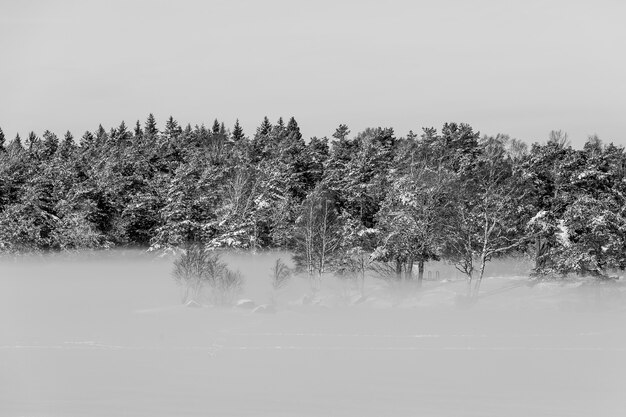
[540, 251]
[483, 261]
[470, 275]
[398, 269]
[408, 270]
[362, 282]
[420, 273]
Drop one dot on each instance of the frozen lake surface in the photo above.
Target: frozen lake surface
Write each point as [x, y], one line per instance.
[108, 337]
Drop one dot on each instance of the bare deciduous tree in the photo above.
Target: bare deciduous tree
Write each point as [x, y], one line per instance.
[318, 236]
[196, 268]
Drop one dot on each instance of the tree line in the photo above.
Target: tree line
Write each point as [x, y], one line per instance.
[341, 205]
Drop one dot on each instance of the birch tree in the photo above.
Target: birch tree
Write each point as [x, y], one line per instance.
[317, 235]
[488, 215]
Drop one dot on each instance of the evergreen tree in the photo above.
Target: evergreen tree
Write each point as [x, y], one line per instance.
[237, 134]
[15, 147]
[102, 136]
[68, 146]
[87, 140]
[138, 131]
[172, 129]
[2, 140]
[151, 126]
[265, 128]
[293, 131]
[342, 132]
[50, 144]
[122, 135]
[318, 153]
[33, 144]
[216, 127]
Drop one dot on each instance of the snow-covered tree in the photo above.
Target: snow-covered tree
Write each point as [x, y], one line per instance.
[317, 233]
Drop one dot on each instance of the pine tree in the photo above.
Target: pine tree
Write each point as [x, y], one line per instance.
[50, 144]
[67, 146]
[216, 127]
[32, 142]
[293, 131]
[138, 131]
[101, 136]
[2, 140]
[172, 129]
[342, 132]
[265, 128]
[237, 132]
[122, 133]
[87, 139]
[151, 126]
[16, 144]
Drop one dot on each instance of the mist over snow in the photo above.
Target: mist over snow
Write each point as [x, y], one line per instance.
[105, 334]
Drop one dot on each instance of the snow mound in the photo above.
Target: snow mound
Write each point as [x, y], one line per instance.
[359, 299]
[264, 309]
[245, 304]
[306, 300]
[193, 304]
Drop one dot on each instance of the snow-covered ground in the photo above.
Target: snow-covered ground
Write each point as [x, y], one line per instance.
[108, 337]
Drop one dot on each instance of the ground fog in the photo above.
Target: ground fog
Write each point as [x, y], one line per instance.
[106, 334]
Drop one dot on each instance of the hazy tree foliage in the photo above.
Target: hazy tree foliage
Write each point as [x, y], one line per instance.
[196, 268]
[342, 205]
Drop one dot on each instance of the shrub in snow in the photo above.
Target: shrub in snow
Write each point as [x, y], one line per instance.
[280, 274]
[195, 268]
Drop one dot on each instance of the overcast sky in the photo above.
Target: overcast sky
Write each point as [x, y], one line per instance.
[517, 67]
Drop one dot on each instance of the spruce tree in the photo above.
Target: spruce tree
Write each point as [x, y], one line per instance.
[293, 131]
[101, 136]
[237, 132]
[151, 126]
[279, 132]
[138, 131]
[16, 144]
[172, 129]
[216, 127]
[32, 142]
[67, 146]
[122, 133]
[50, 144]
[87, 140]
[265, 128]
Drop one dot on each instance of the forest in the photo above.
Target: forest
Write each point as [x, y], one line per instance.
[342, 205]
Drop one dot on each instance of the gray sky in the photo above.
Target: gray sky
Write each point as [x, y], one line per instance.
[517, 67]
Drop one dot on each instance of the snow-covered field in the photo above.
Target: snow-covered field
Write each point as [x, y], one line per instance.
[107, 336]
